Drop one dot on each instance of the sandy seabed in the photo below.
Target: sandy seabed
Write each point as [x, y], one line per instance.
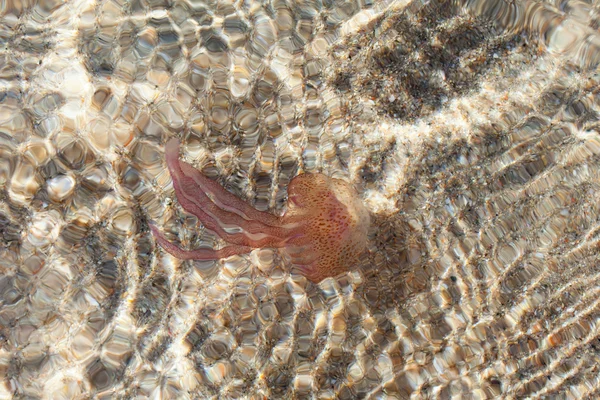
[469, 128]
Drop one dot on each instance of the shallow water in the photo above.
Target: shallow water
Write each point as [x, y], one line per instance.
[470, 129]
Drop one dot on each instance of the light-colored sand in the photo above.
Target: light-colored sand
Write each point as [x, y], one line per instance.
[476, 148]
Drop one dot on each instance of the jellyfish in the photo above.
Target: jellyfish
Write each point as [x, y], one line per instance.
[323, 229]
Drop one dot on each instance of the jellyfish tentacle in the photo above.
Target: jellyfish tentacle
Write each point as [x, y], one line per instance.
[298, 239]
[187, 193]
[188, 183]
[189, 203]
[225, 200]
[200, 254]
[224, 216]
[323, 231]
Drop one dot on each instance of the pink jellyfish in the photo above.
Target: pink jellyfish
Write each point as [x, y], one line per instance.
[324, 228]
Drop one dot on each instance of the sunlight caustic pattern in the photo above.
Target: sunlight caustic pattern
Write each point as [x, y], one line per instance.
[468, 128]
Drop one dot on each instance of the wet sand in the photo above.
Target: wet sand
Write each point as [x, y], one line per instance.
[470, 129]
